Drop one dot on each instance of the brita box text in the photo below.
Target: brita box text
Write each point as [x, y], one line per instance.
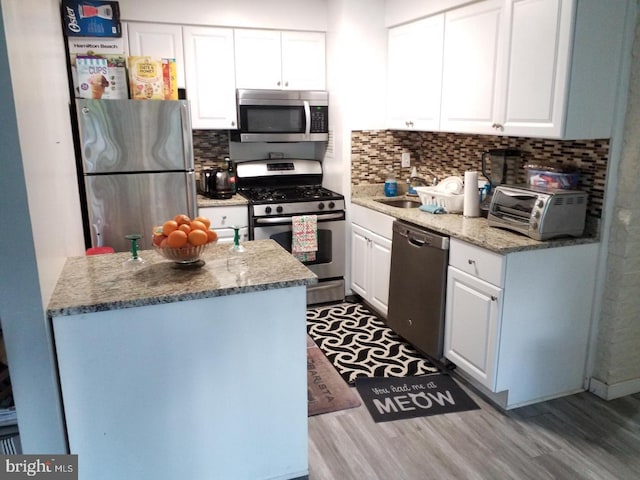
[87, 18]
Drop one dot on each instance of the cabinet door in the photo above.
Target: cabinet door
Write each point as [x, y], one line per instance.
[471, 79]
[158, 41]
[303, 61]
[380, 269]
[536, 67]
[414, 82]
[258, 59]
[210, 77]
[472, 326]
[359, 260]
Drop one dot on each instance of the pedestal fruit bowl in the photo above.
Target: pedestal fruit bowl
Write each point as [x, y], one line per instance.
[183, 240]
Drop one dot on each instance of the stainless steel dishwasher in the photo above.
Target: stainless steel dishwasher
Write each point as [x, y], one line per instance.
[418, 285]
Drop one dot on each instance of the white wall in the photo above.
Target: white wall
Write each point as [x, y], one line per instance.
[277, 14]
[402, 11]
[39, 210]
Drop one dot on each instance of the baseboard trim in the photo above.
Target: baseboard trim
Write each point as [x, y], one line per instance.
[616, 390]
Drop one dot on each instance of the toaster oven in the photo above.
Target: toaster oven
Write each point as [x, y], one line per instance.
[539, 213]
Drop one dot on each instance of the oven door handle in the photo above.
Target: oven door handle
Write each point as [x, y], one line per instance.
[284, 220]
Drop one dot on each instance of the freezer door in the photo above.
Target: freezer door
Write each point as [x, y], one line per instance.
[134, 203]
[135, 135]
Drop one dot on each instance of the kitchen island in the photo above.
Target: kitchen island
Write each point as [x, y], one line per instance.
[170, 372]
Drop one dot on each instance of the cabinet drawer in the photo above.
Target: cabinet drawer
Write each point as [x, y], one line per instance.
[371, 220]
[226, 217]
[476, 261]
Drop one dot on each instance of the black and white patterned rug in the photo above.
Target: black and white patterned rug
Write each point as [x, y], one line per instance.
[358, 344]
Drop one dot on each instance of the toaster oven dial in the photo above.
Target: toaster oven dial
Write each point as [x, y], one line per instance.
[540, 203]
[267, 210]
[534, 225]
[536, 214]
[279, 209]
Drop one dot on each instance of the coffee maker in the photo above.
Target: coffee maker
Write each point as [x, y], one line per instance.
[503, 166]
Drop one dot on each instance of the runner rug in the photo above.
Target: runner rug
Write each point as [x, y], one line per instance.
[358, 344]
[400, 398]
[326, 390]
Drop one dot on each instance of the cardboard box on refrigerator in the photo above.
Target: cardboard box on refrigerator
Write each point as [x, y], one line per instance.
[91, 18]
[152, 78]
[109, 49]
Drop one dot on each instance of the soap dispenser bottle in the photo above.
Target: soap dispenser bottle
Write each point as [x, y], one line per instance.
[390, 185]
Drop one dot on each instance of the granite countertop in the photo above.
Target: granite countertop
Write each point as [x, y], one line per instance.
[204, 202]
[473, 230]
[102, 282]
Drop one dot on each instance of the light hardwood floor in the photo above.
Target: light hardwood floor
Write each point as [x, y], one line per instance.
[575, 437]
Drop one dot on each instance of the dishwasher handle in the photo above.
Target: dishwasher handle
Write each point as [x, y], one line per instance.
[421, 237]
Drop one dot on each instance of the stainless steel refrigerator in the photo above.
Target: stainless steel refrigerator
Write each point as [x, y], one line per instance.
[137, 160]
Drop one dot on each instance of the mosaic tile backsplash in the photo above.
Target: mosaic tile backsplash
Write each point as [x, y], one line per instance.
[209, 148]
[445, 154]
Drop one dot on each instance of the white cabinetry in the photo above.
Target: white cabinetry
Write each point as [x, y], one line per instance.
[210, 77]
[414, 81]
[517, 326]
[223, 219]
[371, 234]
[531, 67]
[158, 40]
[268, 59]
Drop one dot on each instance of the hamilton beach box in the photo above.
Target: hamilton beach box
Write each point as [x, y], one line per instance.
[89, 18]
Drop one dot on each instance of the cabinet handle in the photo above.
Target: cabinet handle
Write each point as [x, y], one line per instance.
[498, 126]
[233, 124]
[278, 83]
[286, 84]
[493, 298]
[471, 262]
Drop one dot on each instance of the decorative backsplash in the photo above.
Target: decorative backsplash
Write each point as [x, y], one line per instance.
[445, 154]
[209, 148]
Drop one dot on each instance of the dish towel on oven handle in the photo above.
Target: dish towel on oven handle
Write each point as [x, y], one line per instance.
[304, 237]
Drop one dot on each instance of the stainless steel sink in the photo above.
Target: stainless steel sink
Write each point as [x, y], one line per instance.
[400, 203]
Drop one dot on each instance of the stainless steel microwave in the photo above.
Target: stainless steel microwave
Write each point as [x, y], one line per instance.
[282, 116]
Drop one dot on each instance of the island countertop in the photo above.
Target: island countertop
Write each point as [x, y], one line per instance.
[102, 282]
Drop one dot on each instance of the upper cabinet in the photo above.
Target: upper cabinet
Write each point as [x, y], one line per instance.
[538, 68]
[414, 75]
[158, 40]
[268, 59]
[210, 77]
[471, 81]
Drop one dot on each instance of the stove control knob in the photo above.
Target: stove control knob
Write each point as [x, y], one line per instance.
[332, 205]
[267, 210]
[321, 206]
[279, 209]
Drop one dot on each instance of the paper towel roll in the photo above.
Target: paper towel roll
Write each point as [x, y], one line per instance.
[471, 205]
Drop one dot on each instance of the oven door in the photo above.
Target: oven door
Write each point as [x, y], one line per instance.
[330, 257]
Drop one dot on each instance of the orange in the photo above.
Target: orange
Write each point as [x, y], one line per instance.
[157, 239]
[198, 237]
[185, 228]
[169, 226]
[177, 238]
[196, 225]
[181, 219]
[205, 220]
[212, 236]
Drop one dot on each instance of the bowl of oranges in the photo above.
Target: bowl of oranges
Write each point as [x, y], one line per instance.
[183, 240]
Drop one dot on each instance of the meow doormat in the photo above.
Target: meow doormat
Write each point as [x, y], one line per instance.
[390, 399]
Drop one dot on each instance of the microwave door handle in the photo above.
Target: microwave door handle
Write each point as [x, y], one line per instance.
[307, 116]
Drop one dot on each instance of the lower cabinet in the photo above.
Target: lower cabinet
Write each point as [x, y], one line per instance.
[223, 219]
[517, 325]
[371, 234]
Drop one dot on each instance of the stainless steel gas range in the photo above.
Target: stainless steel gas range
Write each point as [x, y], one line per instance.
[279, 190]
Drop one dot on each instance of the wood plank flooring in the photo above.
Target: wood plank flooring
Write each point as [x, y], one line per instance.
[576, 437]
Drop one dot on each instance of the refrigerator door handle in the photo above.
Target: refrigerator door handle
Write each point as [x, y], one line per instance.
[187, 143]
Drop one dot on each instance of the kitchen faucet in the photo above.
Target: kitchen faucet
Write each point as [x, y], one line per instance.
[420, 181]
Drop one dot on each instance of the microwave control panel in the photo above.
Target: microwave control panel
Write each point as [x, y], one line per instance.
[319, 119]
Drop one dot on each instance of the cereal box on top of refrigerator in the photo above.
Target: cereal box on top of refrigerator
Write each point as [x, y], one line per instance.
[146, 79]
